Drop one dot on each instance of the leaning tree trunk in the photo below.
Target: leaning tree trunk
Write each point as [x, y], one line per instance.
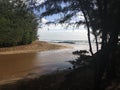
[88, 30]
[89, 40]
[96, 41]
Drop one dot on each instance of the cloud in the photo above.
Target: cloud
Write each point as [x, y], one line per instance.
[43, 20]
[40, 1]
[78, 17]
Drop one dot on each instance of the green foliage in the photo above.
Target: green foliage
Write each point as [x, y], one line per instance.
[18, 25]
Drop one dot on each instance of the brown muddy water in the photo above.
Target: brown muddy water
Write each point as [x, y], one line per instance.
[24, 65]
[17, 66]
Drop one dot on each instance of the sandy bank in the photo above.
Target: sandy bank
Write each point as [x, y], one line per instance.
[36, 46]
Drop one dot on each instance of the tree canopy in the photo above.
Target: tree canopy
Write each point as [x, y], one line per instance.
[18, 25]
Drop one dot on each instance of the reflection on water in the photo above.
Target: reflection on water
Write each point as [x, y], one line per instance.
[19, 65]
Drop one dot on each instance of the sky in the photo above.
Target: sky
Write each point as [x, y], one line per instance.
[60, 32]
[63, 35]
[77, 17]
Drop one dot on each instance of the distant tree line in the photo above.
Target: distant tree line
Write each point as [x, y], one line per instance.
[18, 24]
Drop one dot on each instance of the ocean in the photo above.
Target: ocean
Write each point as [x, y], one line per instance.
[75, 38]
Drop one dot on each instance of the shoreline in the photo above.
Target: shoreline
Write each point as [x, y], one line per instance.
[36, 46]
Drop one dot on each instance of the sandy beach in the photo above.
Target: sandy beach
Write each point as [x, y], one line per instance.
[36, 46]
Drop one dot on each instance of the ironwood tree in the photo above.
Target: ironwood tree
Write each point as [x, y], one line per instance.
[18, 25]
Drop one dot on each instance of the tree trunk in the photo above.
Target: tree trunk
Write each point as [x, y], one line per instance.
[88, 30]
[89, 40]
[104, 40]
[112, 45]
[105, 63]
[96, 40]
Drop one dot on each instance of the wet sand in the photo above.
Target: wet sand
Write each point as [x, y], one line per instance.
[36, 46]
